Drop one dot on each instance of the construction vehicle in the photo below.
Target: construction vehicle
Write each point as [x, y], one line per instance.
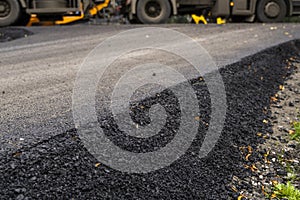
[22, 12]
[159, 11]
[144, 11]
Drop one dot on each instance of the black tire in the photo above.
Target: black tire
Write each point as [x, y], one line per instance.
[23, 19]
[153, 11]
[9, 12]
[271, 10]
[237, 19]
[134, 20]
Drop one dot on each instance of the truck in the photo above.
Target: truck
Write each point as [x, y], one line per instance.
[22, 12]
[144, 11]
[158, 11]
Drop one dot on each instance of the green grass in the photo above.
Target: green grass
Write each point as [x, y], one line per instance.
[286, 191]
[292, 176]
[296, 134]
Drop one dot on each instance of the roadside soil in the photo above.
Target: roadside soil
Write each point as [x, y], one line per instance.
[276, 160]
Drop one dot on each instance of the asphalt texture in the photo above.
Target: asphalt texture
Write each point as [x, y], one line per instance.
[38, 72]
[50, 160]
[62, 167]
[9, 34]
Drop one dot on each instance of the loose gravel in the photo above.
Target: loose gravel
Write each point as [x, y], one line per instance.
[281, 154]
[62, 168]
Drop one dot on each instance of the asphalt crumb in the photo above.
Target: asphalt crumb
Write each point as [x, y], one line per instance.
[8, 33]
[62, 167]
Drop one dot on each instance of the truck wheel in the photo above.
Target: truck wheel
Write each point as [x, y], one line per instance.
[134, 20]
[153, 11]
[9, 12]
[271, 10]
[23, 19]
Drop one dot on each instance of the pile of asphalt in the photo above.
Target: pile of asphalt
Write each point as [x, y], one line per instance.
[9, 33]
[62, 167]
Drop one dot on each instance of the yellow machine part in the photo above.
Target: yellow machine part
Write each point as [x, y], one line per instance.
[220, 20]
[35, 20]
[202, 19]
[68, 19]
[198, 19]
[93, 11]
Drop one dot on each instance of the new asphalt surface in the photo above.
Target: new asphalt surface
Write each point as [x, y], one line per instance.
[43, 157]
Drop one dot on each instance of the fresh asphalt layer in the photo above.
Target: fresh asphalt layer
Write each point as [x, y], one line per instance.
[38, 72]
[40, 152]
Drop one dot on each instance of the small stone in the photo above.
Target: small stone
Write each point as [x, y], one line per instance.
[281, 172]
[266, 167]
[271, 174]
[18, 190]
[20, 197]
[280, 128]
[267, 136]
[254, 183]
[282, 140]
[274, 138]
[285, 130]
[13, 165]
[295, 161]
[292, 146]
[235, 178]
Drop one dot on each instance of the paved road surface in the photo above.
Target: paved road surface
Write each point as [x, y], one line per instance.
[38, 72]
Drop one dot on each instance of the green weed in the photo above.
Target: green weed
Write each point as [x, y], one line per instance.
[287, 191]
